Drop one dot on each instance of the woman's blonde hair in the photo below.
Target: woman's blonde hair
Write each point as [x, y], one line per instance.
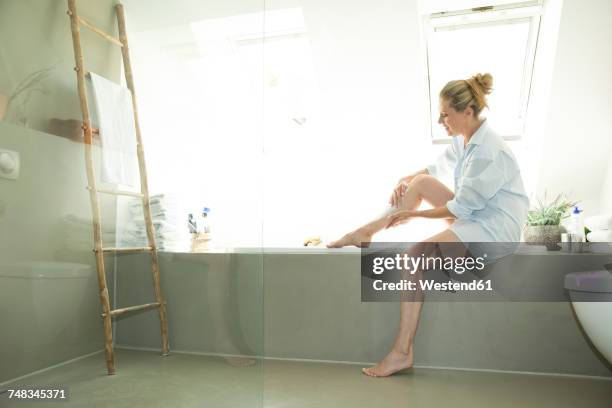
[468, 92]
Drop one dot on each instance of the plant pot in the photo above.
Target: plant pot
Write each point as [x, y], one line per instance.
[549, 235]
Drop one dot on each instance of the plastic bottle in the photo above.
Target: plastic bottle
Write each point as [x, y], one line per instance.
[576, 223]
[192, 224]
[204, 224]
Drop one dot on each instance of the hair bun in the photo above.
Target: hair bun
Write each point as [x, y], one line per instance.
[484, 82]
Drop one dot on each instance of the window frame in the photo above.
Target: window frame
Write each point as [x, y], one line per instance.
[530, 11]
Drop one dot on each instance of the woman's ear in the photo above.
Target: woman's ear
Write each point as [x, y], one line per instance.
[469, 111]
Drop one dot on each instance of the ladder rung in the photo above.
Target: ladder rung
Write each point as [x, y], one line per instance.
[127, 250]
[123, 310]
[98, 31]
[118, 192]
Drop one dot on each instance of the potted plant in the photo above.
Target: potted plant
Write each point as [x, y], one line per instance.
[544, 222]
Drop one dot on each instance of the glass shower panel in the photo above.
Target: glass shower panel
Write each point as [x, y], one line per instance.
[200, 104]
[201, 117]
[343, 121]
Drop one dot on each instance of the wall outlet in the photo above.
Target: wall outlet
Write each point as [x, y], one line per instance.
[9, 164]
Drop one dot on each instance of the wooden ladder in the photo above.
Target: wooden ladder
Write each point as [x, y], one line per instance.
[107, 314]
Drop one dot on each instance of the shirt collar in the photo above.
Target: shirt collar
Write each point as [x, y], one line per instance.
[478, 136]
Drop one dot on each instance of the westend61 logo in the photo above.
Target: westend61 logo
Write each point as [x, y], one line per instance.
[412, 264]
[480, 271]
[400, 266]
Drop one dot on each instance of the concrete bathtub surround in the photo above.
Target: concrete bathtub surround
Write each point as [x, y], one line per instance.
[215, 304]
[306, 304]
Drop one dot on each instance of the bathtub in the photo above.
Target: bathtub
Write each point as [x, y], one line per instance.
[305, 303]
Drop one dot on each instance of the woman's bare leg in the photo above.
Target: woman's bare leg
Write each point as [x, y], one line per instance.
[401, 355]
[422, 187]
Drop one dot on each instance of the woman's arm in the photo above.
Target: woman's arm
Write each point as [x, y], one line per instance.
[402, 216]
[438, 212]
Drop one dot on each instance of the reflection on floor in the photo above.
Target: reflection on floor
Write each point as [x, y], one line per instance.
[144, 379]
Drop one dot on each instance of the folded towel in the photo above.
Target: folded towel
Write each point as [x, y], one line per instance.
[600, 236]
[162, 199]
[159, 199]
[599, 222]
[113, 108]
[158, 225]
[156, 212]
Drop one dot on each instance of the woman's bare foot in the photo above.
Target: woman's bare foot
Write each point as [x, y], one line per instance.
[391, 364]
[359, 238]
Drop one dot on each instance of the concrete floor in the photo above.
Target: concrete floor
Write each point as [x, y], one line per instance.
[145, 379]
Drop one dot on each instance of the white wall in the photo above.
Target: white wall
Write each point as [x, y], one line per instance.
[367, 62]
[606, 191]
[371, 86]
[577, 137]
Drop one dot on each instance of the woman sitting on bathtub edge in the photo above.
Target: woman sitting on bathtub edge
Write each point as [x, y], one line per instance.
[488, 204]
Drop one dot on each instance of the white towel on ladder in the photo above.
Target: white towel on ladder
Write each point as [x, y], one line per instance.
[115, 117]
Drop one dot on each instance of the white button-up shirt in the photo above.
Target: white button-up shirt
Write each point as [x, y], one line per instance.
[488, 185]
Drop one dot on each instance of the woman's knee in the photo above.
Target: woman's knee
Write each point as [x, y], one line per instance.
[421, 180]
[432, 190]
[416, 188]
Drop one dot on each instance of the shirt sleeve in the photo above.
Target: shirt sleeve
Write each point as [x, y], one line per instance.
[444, 164]
[482, 179]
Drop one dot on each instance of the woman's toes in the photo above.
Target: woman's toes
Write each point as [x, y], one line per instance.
[357, 238]
[333, 244]
[339, 243]
[367, 372]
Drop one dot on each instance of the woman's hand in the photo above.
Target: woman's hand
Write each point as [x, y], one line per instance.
[400, 189]
[400, 217]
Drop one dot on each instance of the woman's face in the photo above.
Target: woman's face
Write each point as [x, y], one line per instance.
[453, 122]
